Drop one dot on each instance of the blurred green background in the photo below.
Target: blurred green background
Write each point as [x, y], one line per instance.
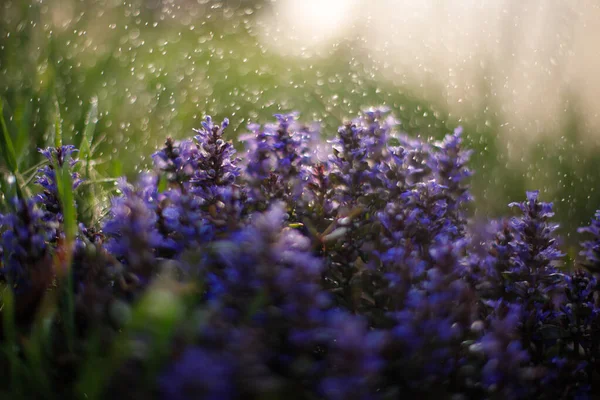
[155, 68]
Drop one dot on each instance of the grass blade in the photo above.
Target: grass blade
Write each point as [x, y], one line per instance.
[8, 149]
[64, 183]
[57, 124]
[23, 118]
[88, 193]
[39, 341]
[67, 200]
[88, 131]
[10, 335]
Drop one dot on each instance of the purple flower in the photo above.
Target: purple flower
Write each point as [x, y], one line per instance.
[417, 217]
[318, 202]
[264, 281]
[132, 234]
[266, 255]
[177, 160]
[25, 251]
[449, 165]
[431, 319]
[200, 374]
[215, 165]
[353, 276]
[506, 358]
[350, 166]
[591, 248]
[354, 359]
[277, 156]
[536, 249]
[182, 219]
[579, 325]
[49, 199]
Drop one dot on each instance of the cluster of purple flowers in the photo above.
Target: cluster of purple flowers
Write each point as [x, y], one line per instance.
[340, 269]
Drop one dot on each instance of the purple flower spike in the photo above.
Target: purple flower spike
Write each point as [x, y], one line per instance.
[49, 199]
[215, 165]
[200, 374]
[24, 242]
[277, 159]
[450, 166]
[132, 234]
[591, 248]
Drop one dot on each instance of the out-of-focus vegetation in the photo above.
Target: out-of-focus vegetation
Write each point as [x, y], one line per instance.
[155, 68]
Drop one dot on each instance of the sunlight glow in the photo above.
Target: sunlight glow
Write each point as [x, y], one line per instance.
[528, 56]
[306, 27]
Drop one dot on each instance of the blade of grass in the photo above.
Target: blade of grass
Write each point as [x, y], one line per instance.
[68, 203]
[67, 200]
[8, 149]
[88, 193]
[27, 180]
[23, 135]
[8, 185]
[117, 168]
[162, 184]
[95, 369]
[4, 195]
[38, 343]
[57, 124]
[88, 133]
[64, 183]
[98, 142]
[33, 169]
[10, 336]
[22, 185]
[97, 181]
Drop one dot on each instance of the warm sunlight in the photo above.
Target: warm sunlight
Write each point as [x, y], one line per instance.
[531, 54]
[304, 27]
